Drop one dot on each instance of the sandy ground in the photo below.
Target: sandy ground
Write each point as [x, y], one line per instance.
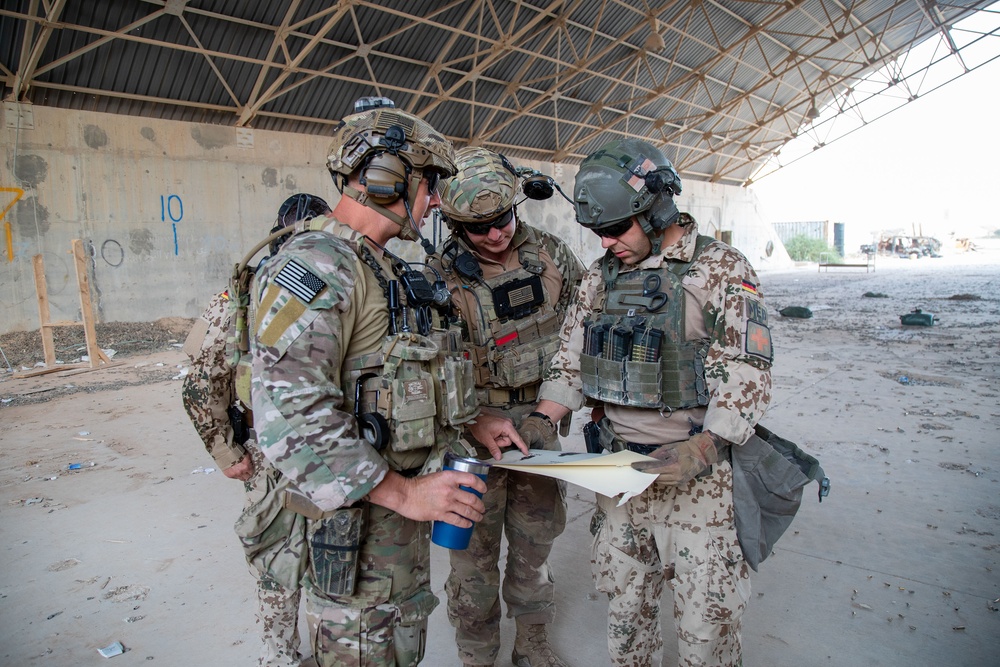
[899, 566]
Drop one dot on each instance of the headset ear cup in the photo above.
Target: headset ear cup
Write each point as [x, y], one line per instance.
[384, 178]
[374, 429]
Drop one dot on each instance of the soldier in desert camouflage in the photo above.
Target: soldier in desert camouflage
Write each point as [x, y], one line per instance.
[669, 342]
[512, 284]
[273, 538]
[359, 387]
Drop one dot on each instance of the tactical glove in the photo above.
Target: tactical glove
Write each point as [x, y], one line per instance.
[680, 462]
[538, 431]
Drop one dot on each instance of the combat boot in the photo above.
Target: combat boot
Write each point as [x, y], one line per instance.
[532, 649]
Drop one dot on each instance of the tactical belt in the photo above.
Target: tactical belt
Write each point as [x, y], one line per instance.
[501, 398]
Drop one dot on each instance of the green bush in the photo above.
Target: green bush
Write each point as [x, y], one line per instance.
[805, 249]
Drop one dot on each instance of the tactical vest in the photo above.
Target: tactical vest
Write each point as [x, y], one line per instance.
[513, 342]
[418, 388]
[634, 348]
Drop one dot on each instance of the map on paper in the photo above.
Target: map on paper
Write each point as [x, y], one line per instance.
[607, 474]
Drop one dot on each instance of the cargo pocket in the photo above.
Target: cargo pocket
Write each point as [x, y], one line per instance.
[410, 633]
[717, 589]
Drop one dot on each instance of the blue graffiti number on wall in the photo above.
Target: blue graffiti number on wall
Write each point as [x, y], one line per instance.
[171, 206]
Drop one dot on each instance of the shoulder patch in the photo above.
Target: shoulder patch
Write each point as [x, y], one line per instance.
[298, 280]
[758, 341]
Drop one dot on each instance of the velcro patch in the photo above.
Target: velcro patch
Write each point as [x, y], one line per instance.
[755, 311]
[298, 280]
[758, 341]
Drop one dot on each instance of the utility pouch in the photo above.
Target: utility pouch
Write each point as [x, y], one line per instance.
[769, 474]
[411, 400]
[334, 548]
[455, 375]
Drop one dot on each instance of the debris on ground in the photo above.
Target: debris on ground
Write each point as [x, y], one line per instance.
[917, 318]
[800, 312]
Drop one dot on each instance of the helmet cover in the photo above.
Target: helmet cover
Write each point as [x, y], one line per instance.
[483, 188]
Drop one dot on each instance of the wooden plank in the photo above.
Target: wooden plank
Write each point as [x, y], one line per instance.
[46, 371]
[86, 308]
[42, 291]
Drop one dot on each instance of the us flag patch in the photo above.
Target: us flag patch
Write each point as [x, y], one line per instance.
[298, 280]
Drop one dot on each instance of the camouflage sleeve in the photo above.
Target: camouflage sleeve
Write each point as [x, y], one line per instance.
[304, 324]
[207, 390]
[569, 266]
[562, 380]
[738, 366]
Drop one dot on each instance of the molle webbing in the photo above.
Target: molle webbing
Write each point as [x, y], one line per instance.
[635, 352]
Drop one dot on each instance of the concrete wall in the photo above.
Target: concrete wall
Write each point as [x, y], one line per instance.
[166, 209]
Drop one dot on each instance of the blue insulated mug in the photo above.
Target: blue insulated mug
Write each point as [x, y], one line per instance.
[444, 534]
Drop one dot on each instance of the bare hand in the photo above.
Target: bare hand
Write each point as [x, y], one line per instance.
[242, 471]
[680, 462]
[496, 432]
[437, 497]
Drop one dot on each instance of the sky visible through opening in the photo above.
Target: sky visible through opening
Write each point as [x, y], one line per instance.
[931, 166]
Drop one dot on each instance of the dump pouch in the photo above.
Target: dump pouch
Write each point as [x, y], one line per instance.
[769, 473]
[334, 549]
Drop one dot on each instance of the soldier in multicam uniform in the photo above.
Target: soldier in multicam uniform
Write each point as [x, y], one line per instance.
[358, 389]
[669, 341]
[273, 538]
[511, 284]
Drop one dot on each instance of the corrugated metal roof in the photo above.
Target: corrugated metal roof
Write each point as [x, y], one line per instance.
[721, 85]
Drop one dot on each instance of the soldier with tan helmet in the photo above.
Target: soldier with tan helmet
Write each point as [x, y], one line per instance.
[359, 387]
[669, 341]
[511, 284]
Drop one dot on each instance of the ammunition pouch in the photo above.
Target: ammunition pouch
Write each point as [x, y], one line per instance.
[769, 474]
[334, 547]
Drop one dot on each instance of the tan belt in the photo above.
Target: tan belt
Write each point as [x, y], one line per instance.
[494, 398]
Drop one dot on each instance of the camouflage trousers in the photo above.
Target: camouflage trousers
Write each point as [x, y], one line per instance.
[273, 541]
[384, 622]
[684, 536]
[531, 509]
[278, 619]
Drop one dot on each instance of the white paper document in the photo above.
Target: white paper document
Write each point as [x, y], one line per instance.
[607, 474]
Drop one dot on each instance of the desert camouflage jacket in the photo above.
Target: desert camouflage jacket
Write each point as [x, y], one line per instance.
[721, 287]
[207, 391]
[318, 305]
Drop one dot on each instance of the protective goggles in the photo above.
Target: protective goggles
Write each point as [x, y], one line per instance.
[481, 228]
[615, 230]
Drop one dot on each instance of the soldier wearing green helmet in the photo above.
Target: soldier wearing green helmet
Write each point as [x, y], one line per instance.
[668, 342]
[358, 391]
[511, 284]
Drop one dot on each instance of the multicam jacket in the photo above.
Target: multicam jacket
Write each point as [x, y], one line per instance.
[207, 391]
[720, 286]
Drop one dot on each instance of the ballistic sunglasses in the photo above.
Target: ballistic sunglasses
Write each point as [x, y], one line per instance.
[615, 230]
[481, 228]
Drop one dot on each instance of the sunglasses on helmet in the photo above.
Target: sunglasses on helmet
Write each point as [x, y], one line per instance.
[615, 230]
[480, 228]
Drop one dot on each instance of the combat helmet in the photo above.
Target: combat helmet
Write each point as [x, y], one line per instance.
[625, 178]
[301, 206]
[482, 190]
[391, 150]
